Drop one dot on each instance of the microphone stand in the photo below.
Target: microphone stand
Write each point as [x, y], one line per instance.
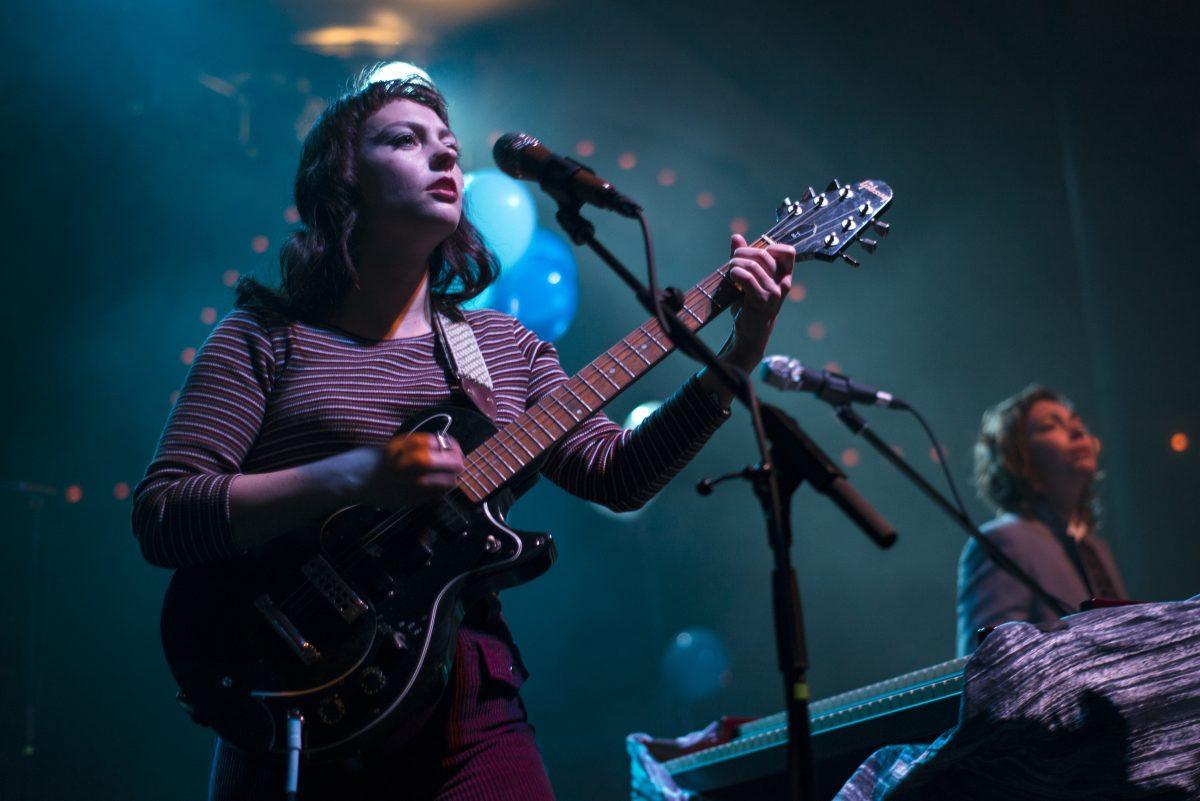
[858, 425]
[784, 464]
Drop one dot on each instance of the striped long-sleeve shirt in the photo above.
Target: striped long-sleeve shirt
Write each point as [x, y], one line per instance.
[266, 394]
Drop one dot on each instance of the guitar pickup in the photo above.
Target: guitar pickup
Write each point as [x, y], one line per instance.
[334, 589]
[284, 627]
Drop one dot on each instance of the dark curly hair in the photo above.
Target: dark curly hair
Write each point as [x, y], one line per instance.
[317, 262]
[1001, 458]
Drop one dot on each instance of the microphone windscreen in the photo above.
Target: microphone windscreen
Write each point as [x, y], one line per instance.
[507, 152]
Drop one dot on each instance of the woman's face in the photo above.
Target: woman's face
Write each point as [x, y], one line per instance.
[1062, 452]
[408, 173]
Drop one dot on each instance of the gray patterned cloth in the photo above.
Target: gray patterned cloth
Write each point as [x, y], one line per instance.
[1106, 707]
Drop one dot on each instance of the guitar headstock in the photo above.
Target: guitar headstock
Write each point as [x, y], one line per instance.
[823, 225]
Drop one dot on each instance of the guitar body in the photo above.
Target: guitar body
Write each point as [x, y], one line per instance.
[354, 625]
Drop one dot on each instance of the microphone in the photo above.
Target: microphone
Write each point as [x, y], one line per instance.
[523, 157]
[831, 387]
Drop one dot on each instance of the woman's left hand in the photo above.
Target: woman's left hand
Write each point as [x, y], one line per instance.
[764, 275]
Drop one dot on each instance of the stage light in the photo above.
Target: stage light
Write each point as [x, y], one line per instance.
[121, 491]
[705, 200]
[259, 244]
[73, 494]
[850, 457]
[939, 453]
[739, 225]
[173, 398]
[816, 331]
[627, 161]
[1179, 442]
[230, 277]
[382, 33]
[833, 367]
[291, 215]
[666, 177]
[188, 355]
[797, 293]
[641, 412]
[398, 71]
[208, 315]
[585, 147]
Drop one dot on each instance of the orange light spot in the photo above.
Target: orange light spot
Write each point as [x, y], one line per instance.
[833, 367]
[797, 293]
[173, 397]
[585, 147]
[208, 315]
[494, 137]
[896, 449]
[291, 215]
[705, 200]
[850, 457]
[259, 244]
[939, 454]
[739, 225]
[188, 355]
[1179, 442]
[627, 161]
[73, 493]
[816, 331]
[121, 491]
[667, 177]
[230, 277]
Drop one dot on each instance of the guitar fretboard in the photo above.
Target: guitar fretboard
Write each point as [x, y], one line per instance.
[499, 458]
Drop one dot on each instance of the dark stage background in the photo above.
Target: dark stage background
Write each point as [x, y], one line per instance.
[1045, 160]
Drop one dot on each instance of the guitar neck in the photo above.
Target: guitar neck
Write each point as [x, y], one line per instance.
[508, 451]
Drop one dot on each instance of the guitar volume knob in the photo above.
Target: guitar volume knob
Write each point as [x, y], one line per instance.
[331, 710]
[373, 680]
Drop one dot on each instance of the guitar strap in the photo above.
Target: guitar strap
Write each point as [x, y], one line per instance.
[466, 361]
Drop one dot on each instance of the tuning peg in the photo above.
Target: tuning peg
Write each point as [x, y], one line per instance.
[853, 262]
[880, 227]
[865, 209]
[785, 208]
[868, 244]
[831, 240]
[808, 195]
[848, 224]
[833, 185]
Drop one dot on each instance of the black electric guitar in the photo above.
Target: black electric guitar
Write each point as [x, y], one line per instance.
[352, 627]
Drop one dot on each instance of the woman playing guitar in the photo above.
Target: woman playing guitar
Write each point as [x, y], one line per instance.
[291, 408]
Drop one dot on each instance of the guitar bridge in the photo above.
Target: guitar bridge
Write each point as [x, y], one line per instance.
[334, 589]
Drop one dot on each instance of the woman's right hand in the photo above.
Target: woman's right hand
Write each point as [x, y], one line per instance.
[411, 468]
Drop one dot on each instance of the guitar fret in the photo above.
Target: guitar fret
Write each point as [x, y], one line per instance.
[567, 389]
[637, 353]
[487, 463]
[521, 445]
[604, 375]
[467, 475]
[498, 446]
[653, 338]
[533, 419]
[695, 316]
[621, 364]
[565, 408]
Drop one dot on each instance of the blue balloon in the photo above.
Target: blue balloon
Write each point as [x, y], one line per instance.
[696, 664]
[503, 211]
[542, 289]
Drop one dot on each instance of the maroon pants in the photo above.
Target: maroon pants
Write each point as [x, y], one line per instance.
[478, 746]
